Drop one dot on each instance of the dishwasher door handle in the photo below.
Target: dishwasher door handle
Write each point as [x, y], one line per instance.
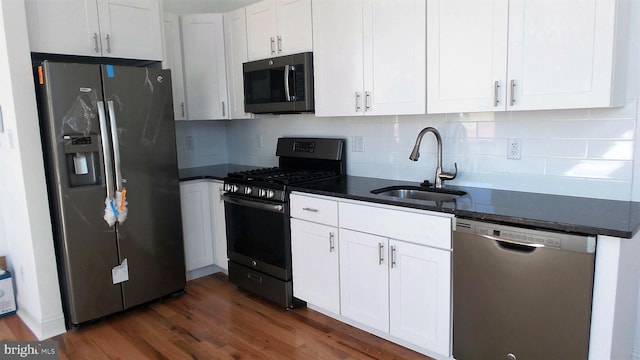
[514, 245]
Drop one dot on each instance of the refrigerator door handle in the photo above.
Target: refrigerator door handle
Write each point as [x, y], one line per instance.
[106, 151]
[116, 144]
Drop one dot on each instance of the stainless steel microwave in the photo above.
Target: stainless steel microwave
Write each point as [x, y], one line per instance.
[279, 85]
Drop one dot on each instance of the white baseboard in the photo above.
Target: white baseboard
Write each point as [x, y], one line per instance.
[45, 328]
[204, 271]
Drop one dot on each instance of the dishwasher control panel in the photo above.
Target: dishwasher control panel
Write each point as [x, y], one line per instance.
[519, 236]
[528, 237]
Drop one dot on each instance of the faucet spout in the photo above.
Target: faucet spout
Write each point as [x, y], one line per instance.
[415, 154]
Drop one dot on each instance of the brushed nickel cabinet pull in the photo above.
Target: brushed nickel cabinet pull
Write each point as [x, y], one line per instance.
[367, 101]
[496, 87]
[108, 43]
[380, 257]
[279, 44]
[513, 91]
[331, 242]
[358, 101]
[95, 42]
[393, 256]
[273, 44]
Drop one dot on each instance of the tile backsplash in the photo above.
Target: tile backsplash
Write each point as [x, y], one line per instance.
[586, 152]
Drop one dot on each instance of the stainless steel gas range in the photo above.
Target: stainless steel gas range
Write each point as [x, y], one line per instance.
[257, 214]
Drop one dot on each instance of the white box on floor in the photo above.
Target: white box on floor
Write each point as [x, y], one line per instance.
[7, 298]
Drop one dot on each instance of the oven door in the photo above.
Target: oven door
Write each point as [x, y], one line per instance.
[258, 235]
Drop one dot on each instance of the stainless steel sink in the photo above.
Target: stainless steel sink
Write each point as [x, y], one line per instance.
[419, 193]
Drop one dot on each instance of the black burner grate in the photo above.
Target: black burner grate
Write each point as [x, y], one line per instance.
[281, 176]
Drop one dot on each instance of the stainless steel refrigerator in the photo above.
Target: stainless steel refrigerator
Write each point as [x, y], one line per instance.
[105, 129]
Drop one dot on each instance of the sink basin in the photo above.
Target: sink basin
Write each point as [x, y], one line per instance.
[419, 193]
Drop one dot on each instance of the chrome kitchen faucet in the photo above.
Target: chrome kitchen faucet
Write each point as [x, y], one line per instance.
[415, 154]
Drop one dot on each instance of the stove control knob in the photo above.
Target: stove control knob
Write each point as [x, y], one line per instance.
[262, 192]
[231, 188]
[248, 190]
[269, 194]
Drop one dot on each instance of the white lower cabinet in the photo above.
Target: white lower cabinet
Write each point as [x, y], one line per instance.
[314, 250]
[203, 227]
[396, 287]
[364, 279]
[420, 295]
[386, 269]
[196, 224]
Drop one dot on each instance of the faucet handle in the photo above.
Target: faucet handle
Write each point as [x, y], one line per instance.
[449, 176]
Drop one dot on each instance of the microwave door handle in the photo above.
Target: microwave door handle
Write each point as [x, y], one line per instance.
[287, 94]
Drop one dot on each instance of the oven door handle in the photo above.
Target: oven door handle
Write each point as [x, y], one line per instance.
[254, 204]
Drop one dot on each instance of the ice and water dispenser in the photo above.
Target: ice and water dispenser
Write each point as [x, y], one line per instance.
[82, 155]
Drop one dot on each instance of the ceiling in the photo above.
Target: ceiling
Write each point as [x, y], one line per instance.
[201, 6]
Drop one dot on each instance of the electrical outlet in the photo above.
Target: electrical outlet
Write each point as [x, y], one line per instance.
[357, 144]
[514, 149]
[189, 142]
[259, 142]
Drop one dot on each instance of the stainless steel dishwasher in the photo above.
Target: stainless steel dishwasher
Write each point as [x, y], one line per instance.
[520, 294]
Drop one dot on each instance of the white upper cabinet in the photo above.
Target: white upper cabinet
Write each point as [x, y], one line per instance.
[128, 29]
[235, 38]
[369, 57]
[525, 55]
[173, 61]
[278, 27]
[205, 73]
[467, 55]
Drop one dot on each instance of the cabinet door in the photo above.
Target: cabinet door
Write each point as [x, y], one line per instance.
[394, 57]
[261, 29]
[560, 53]
[420, 295]
[204, 66]
[173, 61]
[235, 36]
[294, 24]
[314, 253]
[63, 27]
[196, 224]
[364, 279]
[338, 57]
[131, 29]
[219, 229]
[467, 55]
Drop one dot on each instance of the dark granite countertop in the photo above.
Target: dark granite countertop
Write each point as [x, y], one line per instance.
[552, 212]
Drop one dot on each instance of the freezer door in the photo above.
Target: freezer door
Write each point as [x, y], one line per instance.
[68, 96]
[150, 239]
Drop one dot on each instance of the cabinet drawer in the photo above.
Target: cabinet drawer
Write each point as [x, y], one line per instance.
[314, 209]
[419, 228]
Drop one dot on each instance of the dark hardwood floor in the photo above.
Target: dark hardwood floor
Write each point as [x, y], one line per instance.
[215, 320]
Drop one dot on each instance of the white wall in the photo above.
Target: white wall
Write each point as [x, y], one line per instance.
[26, 230]
[208, 143]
